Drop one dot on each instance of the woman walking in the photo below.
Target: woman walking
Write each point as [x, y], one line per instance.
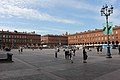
[84, 55]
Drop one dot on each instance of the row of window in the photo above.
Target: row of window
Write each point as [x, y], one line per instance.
[93, 39]
[14, 41]
[18, 40]
[18, 36]
[100, 34]
[13, 36]
[90, 35]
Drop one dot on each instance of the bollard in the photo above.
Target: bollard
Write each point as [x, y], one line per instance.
[9, 56]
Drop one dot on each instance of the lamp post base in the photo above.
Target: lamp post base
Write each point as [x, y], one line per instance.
[108, 52]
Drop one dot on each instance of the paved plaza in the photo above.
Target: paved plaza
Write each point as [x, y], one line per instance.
[42, 65]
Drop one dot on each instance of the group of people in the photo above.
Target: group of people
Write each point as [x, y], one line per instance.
[70, 53]
[99, 49]
[20, 49]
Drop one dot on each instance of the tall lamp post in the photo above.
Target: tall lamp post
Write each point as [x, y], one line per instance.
[105, 11]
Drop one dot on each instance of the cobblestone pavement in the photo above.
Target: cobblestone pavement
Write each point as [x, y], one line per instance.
[42, 65]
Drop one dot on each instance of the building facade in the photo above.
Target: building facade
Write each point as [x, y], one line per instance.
[94, 37]
[54, 40]
[17, 39]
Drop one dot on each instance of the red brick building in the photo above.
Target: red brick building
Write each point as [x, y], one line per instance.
[54, 40]
[16, 39]
[92, 37]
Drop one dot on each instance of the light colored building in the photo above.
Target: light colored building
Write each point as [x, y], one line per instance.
[54, 40]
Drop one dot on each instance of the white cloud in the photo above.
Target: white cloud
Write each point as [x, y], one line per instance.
[20, 3]
[82, 5]
[13, 9]
[19, 8]
[51, 29]
[36, 29]
[22, 29]
[70, 3]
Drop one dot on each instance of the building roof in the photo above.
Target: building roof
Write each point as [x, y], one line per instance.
[93, 31]
[50, 35]
[16, 32]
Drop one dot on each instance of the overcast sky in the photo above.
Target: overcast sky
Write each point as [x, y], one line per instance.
[55, 16]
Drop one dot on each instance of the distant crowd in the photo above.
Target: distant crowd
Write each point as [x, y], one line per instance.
[70, 53]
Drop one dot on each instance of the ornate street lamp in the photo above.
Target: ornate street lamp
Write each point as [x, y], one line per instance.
[105, 11]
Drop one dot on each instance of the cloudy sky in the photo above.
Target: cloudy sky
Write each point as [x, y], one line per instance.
[55, 16]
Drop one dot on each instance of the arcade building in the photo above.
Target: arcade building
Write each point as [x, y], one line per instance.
[94, 37]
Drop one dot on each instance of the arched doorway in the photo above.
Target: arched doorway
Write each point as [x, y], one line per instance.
[117, 42]
[105, 42]
[98, 42]
[113, 42]
[102, 42]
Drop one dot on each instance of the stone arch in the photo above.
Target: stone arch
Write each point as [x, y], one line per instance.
[117, 42]
[102, 42]
[98, 42]
[113, 42]
[105, 42]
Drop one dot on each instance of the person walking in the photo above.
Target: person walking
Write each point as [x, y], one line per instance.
[19, 49]
[74, 52]
[84, 55]
[58, 49]
[98, 50]
[71, 55]
[67, 53]
[119, 49]
[101, 49]
[56, 52]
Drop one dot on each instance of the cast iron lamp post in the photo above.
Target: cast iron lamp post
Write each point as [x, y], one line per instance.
[105, 11]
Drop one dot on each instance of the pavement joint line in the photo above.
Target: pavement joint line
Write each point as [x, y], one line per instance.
[110, 76]
[52, 76]
[18, 73]
[24, 62]
[42, 71]
[109, 63]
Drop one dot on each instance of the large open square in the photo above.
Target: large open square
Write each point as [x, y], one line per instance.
[33, 31]
[42, 65]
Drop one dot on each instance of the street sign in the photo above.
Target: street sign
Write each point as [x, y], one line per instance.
[109, 29]
[104, 29]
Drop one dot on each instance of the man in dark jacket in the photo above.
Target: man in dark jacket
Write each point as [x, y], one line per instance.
[84, 55]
